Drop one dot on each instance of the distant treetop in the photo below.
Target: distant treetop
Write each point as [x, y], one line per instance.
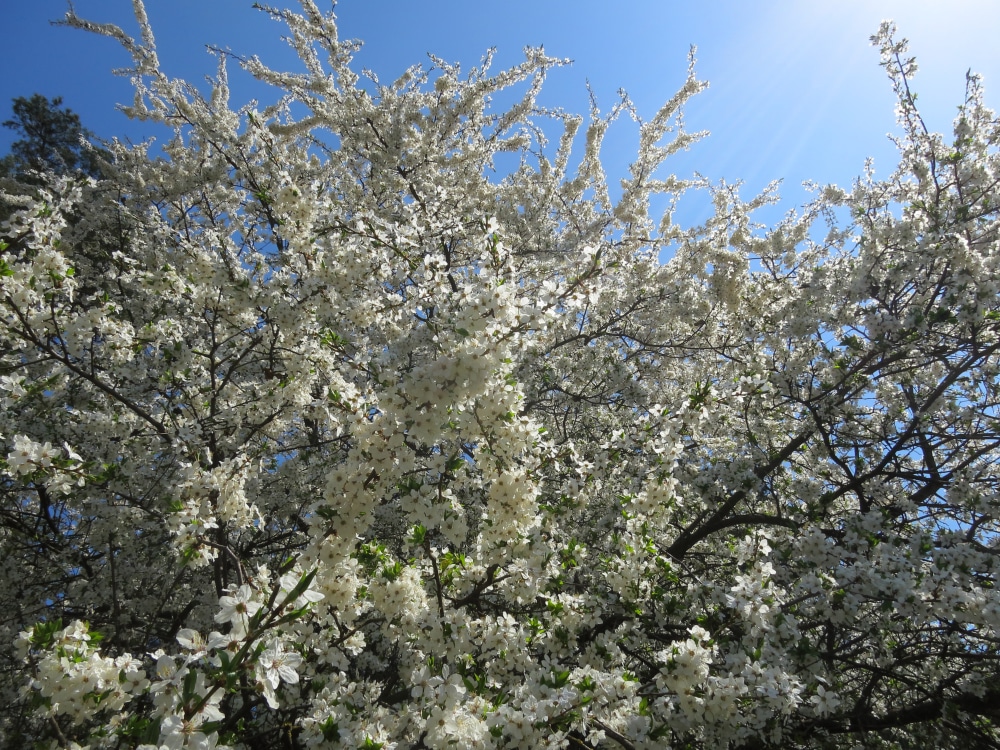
[52, 140]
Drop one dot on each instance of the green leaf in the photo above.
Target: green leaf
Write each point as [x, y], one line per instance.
[330, 730]
[418, 535]
[190, 681]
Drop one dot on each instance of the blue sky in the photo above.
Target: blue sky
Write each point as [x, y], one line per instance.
[796, 91]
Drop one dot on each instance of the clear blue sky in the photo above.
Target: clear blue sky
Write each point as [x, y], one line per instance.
[796, 91]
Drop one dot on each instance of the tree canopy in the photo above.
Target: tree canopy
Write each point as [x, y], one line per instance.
[317, 433]
[52, 140]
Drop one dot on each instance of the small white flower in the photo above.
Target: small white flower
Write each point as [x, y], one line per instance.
[825, 700]
[72, 454]
[22, 459]
[238, 607]
[279, 665]
[192, 640]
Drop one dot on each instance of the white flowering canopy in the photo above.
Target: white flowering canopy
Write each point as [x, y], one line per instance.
[318, 433]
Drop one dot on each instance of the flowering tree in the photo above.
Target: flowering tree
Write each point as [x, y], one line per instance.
[318, 436]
